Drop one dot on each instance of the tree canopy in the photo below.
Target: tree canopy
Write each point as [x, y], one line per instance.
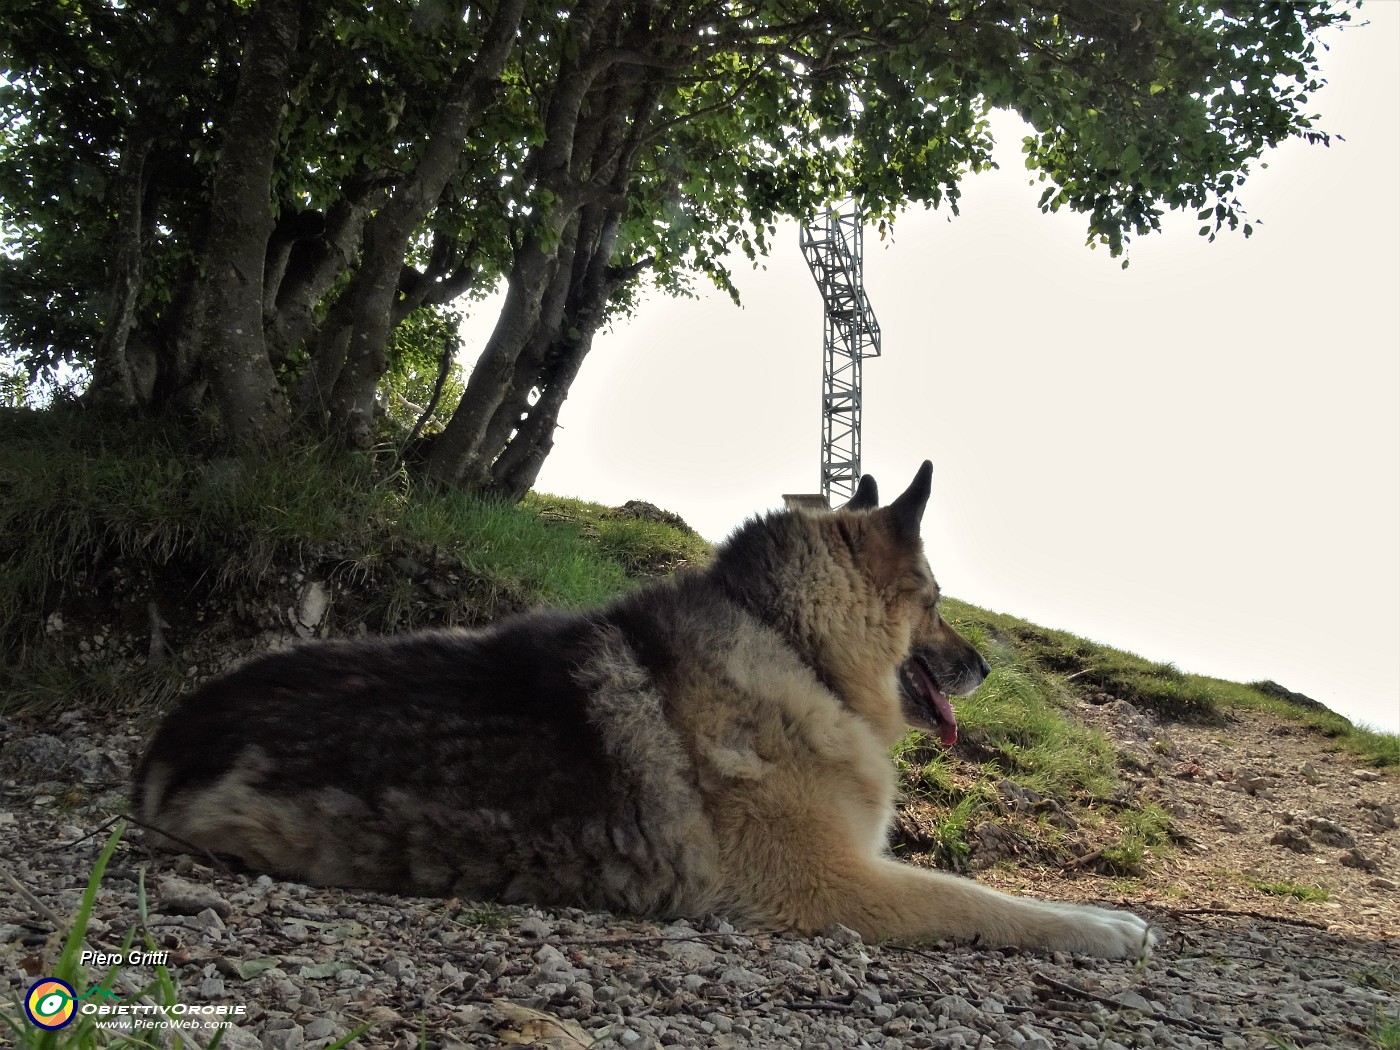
[262, 211]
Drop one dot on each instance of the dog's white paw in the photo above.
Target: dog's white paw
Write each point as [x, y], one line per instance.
[1101, 932]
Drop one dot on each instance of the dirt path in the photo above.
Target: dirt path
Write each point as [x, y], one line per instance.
[1275, 821]
[1237, 966]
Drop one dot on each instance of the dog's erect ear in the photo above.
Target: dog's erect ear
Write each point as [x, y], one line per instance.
[867, 496]
[908, 510]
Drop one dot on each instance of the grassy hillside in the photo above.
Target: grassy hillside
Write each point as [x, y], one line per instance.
[1072, 664]
[105, 530]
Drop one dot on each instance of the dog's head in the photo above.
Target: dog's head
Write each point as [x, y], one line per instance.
[940, 662]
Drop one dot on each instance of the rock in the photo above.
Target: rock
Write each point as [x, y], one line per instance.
[42, 752]
[1292, 838]
[692, 955]
[1329, 832]
[644, 511]
[740, 977]
[403, 969]
[97, 765]
[1135, 1001]
[1379, 814]
[321, 1028]
[181, 897]
[1016, 798]
[1273, 689]
[533, 928]
[866, 997]
[841, 936]
[1354, 858]
[287, 1036]
[239, 1038]
[312, 605]
[955, 1008]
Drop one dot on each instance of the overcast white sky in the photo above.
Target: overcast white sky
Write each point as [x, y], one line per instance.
[1196, 459]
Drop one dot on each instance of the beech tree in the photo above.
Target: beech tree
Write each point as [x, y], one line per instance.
[247, 208]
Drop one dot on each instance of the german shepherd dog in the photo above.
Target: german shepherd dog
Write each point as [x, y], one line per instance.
[715, 742]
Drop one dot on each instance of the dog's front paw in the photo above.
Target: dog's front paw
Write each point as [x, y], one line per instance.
[1109, 934]
[1101, 932]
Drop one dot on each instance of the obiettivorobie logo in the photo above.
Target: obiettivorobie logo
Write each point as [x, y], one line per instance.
[51, 1003]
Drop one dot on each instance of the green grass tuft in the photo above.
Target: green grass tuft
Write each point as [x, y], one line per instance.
[1386, 1032]
[1298, 891]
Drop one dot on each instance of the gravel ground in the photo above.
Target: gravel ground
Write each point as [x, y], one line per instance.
[309, 965]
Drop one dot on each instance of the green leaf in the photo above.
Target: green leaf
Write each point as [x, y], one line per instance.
[250, 968]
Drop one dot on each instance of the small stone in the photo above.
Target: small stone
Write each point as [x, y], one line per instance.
[283, 1038]
[956, 1008]
[1367, 776]
[321, 1028]
[208, 919]
[1354, 858]
[841, 936]
[532, 928]
[689, 955]
[1380, 814]
[1380, 882]
[866, 997]
[181, 897]
[1134, 1001]
[1329, 833]
[1291, 838]
[551, 959]
[311, 608]
[400, 969]
[740, 977]
[235, 1038]
[97, 765]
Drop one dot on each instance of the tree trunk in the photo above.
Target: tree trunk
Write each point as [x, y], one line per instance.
[594, 283]
[518, 466]
[314, 265]
[497, 441]
[373, 290]
[113, 382]
[455, 455]
[533, 356]
[233, 351]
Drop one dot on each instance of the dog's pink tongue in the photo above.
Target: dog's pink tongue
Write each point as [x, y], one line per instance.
[948, 722]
